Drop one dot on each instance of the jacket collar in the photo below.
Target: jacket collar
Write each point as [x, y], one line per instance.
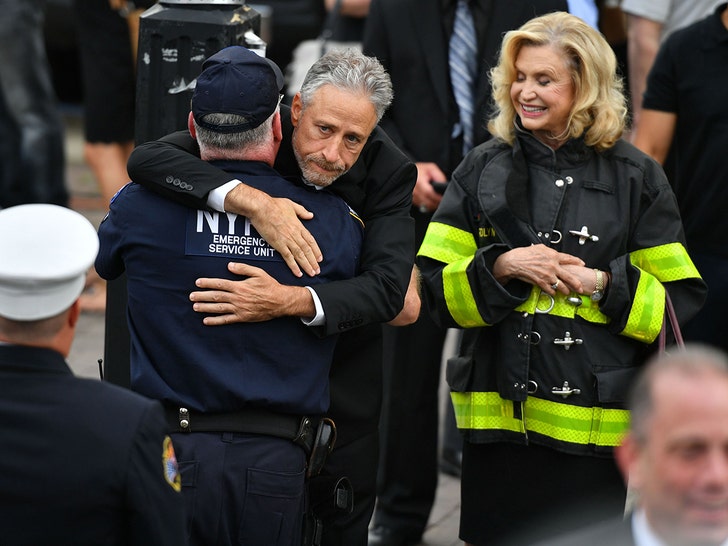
[21, 358]
[502, 193]
[570, 154]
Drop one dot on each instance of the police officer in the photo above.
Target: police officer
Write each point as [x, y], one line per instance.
[82, 462]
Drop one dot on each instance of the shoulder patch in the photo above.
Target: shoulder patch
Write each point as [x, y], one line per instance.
[169, 465]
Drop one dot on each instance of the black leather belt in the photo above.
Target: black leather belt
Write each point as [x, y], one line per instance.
[299, 430]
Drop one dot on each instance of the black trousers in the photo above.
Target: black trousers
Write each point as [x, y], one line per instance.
[408, 471]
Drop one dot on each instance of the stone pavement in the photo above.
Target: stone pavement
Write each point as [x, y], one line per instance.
[88, 347]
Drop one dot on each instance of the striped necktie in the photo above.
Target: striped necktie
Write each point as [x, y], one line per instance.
[463, 64]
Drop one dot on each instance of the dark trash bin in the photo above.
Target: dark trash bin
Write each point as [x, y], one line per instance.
[175, 37]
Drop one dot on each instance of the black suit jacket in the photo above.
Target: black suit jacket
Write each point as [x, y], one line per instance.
[409, 38]
[81, 461]
[616, 532]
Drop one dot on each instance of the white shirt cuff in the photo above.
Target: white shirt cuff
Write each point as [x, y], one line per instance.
[319, 319]
[216, 197]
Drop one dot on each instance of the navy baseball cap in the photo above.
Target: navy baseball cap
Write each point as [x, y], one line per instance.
[236, 80]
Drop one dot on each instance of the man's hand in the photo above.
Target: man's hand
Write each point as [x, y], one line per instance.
[278, 220]
[257, 298]
[424, 196]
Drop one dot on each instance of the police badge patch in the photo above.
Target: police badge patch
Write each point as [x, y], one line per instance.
[169, 465]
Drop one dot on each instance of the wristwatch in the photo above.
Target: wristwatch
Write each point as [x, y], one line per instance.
[599, 287]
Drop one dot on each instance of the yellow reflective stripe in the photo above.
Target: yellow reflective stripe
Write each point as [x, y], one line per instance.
[456, 248]
[529, 306]
[645, 317]
[485, 410]
[563, 422]
[459, 296]
[664, 263]
[576, 424]
[588, 310]
[669, 262]
[447, 244]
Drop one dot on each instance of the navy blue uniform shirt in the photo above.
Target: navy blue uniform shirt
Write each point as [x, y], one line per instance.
[280, 365]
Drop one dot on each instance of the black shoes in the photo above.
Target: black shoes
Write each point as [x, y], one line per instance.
[451, 462]
[379, 535]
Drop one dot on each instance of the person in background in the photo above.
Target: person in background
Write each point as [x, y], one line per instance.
[613, 24]
[560, 303]
[674, 456]
[291, 21]
[434, 127]
[107, 45]
[351, 20]
[31, 150]
[586, 10]
[342, 28]
[109, 88]
[649, 22]
[681, 118]
[82, 462]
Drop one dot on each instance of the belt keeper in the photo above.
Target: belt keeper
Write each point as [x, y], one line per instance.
[184, 419]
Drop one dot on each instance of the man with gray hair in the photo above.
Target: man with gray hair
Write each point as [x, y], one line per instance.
[675, 456]
[242, 399]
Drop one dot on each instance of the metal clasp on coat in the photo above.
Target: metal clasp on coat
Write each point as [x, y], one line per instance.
[565, 390]
[534, 338]
[567, 341]
[551, 236]
[550, 307]
[574, 299]
[583, 235]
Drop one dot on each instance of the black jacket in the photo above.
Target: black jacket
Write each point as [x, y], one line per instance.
[522, 355]
[82, 462]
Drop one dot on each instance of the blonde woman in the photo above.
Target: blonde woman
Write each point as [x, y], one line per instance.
[553, 248]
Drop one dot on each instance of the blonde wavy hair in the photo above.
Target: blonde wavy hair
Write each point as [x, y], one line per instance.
[599, 110]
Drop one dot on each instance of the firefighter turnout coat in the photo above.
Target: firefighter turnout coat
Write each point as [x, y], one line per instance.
[554, 371]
